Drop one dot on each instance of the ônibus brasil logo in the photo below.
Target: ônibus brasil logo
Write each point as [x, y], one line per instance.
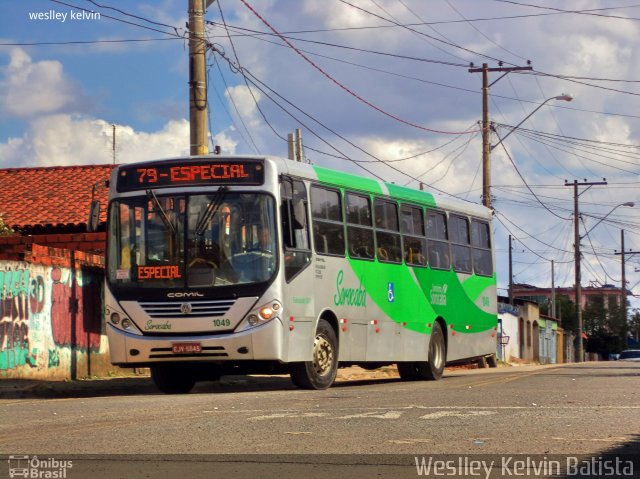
[36, 468]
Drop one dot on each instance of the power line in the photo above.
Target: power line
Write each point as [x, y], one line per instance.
[420, 33]
[342, 86]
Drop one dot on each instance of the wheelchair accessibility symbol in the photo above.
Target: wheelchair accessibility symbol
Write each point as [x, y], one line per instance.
[390, 295]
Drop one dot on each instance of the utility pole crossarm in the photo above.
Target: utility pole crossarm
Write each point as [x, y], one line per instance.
[486, 138]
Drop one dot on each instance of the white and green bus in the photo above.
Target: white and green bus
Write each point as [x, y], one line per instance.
[233, 265]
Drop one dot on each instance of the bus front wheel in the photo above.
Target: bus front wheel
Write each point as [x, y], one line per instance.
[432, 369]
[320, 372]
[173, 378]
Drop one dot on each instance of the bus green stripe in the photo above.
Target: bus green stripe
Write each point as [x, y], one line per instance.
[408, 194]
[347, 180]
[474, 285]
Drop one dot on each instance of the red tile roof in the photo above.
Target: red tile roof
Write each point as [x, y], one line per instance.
[59, 195]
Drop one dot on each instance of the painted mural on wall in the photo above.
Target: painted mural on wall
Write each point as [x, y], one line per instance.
[44, 311]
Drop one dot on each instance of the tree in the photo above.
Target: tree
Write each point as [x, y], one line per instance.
[4, 228]
[605, 324]
[634, 325]
[565, 311]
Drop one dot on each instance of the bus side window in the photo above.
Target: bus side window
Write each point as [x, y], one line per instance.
[295, 227]
[437, 242]
[328, 227]
[481, 243]
[460, 243]
[359, 226]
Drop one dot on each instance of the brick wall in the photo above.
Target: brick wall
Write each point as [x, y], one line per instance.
[15, 247]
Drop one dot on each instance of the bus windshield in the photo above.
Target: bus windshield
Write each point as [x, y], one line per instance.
[191, 241]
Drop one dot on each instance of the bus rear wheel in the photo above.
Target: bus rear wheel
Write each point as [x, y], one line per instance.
[173, 378]
[429, 370]
[320, 372]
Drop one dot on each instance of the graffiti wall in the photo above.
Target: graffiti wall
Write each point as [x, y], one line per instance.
[51, 322]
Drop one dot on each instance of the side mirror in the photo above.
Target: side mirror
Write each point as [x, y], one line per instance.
[94, 216]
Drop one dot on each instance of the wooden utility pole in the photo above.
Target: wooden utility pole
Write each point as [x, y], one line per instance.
[197, 79]
[577, 261]
[510, 272]
[553, 291]
[486, 138]
[486, 146]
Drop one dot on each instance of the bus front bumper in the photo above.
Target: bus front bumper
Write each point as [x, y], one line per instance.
[263, 342]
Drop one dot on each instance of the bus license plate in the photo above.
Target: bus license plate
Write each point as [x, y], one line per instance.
[186, 348]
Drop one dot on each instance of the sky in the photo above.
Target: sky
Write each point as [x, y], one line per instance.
[378, 87]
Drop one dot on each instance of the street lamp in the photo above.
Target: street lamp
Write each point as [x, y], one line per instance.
[578, 286]
[487, 148]
[630, 204]
[563, 97]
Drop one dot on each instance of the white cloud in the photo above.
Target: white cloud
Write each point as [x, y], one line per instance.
[32, 88]
[71, 140]
[245, 103]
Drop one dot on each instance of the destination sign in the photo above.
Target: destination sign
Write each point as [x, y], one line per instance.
[190, 173]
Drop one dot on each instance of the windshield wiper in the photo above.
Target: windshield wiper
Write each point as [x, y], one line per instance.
[211, 210]
[165, 218]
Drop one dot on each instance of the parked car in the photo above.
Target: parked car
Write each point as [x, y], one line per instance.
[630, 355]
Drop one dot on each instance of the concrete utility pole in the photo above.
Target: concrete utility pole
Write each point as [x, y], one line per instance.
[197, 79]
[486, 138]
[623, 286]
[577, 258]
[294, 141]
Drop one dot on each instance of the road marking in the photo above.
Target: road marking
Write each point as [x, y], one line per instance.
[593, 439]
[441, 414]
[288, 415]
[376, 415]
[409, 441]
[504, 379]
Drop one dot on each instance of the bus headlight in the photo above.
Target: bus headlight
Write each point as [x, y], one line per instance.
[115, 318]
[264, 313]
[126, 323]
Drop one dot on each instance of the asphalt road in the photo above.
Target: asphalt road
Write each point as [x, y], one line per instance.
[591, 408]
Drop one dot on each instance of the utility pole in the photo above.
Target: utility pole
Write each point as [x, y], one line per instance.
[577, 258]
[113, 143]
[486, 138]
[197, 79]
[294, 141]
[623, 286]
[510, 273]
[553, 291]
[623, 278]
